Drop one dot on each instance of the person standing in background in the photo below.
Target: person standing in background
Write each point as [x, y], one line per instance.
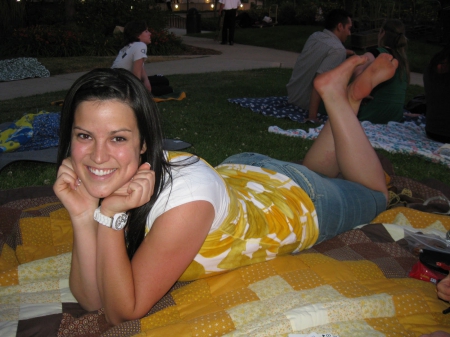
[169, 5]
[230, 8]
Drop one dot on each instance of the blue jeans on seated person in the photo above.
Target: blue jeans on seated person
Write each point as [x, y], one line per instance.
[340, 204]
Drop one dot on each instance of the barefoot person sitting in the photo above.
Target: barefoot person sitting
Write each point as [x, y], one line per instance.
[144, 218]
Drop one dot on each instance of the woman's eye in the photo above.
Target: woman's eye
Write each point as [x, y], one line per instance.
[119, 139]
[83, 136]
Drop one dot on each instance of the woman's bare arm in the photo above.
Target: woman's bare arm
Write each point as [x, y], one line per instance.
[139, 72]
[80, 205]
[129, 290]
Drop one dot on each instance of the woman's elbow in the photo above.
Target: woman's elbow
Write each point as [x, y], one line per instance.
[115, 318]
[87, 304]
[86, 301]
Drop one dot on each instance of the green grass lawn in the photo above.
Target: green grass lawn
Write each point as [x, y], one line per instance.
[215, 127]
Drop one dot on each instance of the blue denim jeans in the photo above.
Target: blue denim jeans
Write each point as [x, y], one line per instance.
[340, 204]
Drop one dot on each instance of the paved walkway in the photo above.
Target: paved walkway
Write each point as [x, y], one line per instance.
[236, 57]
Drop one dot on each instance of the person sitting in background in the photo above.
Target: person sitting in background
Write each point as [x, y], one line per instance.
[133, 55]
[436, 80]
[386, 101]
[322, 52]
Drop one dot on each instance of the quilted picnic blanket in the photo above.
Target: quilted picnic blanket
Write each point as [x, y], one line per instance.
[355, 284]
[21, 68]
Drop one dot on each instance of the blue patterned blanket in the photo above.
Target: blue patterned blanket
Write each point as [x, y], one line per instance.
[31, 132]
[278, 107]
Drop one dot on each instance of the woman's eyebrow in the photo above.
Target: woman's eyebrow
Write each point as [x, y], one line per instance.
[112, 132]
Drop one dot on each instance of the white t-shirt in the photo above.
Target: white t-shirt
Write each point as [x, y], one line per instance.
[192, 182]
[130, 53]
[230, 4]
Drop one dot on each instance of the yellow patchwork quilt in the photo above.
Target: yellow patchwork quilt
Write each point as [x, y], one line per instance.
[353, 285]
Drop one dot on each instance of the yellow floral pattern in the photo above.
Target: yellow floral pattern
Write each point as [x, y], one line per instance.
[268, 215]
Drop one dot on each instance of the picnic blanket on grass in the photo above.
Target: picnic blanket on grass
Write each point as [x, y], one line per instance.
[394, 137]
[279, 107]
[406, 137]
[31, 132]
[355, 284]
[35, 137]
[21, 68]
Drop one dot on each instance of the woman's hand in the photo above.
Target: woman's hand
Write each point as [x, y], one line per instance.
[70, 190]
[134, 193]
[443, 289]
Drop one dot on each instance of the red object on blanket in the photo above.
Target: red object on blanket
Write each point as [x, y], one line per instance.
[421, 272]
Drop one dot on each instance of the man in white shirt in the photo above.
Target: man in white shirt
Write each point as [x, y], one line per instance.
[230, 8]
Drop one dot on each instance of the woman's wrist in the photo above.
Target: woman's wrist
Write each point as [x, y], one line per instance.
[84, 218]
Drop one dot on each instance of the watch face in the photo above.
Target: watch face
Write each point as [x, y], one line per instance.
[120, 220]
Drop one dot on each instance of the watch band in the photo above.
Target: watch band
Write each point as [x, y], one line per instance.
[117, 222]
[102, 219]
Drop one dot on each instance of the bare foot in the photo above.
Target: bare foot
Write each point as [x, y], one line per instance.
[380, 70]
[332, 85]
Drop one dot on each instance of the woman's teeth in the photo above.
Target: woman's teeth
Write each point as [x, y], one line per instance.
[100, 173]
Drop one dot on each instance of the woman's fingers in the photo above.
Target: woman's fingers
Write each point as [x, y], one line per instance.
[443, 289]
[141, 187]
[135, 193]
[66, 176]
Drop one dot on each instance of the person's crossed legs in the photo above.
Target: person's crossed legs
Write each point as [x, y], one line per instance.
[342, 145]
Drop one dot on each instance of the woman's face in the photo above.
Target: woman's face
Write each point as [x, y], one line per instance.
[105, 146]
[145, 37]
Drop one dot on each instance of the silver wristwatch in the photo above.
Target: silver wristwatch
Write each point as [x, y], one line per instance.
[117, 222]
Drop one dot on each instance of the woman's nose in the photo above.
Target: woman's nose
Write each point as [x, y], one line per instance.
[100, 153]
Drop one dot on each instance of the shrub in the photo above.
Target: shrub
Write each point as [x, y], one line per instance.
[92, 34]
[103, 15]
[51, 41]
[306, 12]
[164, 43]
[42, 41]
[97, 44]
[287, 14]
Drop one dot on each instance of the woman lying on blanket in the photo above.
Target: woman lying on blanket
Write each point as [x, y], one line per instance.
[144, 218]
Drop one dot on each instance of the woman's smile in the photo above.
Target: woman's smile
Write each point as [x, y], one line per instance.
[99, 172]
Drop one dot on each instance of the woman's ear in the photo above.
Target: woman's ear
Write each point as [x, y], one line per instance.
[144, 148]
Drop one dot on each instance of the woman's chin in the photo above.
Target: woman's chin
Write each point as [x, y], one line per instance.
[100, 193]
